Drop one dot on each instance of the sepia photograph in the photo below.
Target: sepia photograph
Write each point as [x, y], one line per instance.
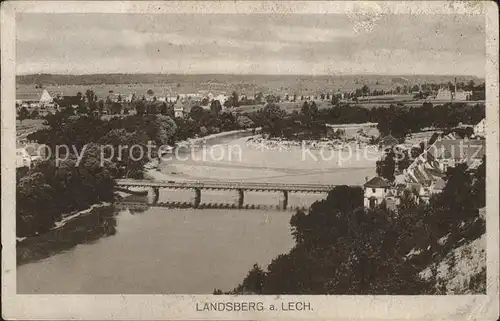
[251, 158]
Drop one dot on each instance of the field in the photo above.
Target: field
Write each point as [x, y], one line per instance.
[28, 126]
[250, 84]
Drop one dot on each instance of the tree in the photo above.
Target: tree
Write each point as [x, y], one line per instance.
[82, 109]
[245, 121]
[405, 162]
[196, 113]
[235, 99]
[259, 98]
[342, 249]
[335, 100]
[48, 191]
[90, 96]
[215, 107]
[116, 108]
[100, 106]
[34, 114]
[140, 107]
[166, 128]
[129, 162]
[305, 108]
[23, 114]
[273, 120]
[386, 167]
[313, 110]
[365, 90]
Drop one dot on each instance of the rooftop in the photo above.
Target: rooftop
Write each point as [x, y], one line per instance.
[377, 182]
[458, 149]
[389, 140]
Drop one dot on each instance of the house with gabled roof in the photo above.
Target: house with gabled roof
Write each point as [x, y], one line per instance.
[451, 152]
[375, 191]
[479, 128]
[428, 170]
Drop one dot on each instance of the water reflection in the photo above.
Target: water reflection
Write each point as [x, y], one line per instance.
[88, 228]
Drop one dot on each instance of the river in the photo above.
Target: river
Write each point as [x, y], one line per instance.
[155, 250]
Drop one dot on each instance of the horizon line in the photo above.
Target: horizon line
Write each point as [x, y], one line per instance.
[246, 74]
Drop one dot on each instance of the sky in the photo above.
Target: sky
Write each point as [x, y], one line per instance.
[308, 44]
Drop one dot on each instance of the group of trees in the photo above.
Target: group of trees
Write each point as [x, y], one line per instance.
[397, 121]
[342, 248]
[52, 188]
[401, 121]
[47, 191]
[276, 122]
[202, 122]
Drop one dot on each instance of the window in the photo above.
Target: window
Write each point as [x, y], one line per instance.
[373, 190]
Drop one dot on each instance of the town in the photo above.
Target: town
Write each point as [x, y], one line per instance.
[252, 154]
[431, 152]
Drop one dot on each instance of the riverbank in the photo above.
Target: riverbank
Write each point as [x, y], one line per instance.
[68, 218]
[82, 227]
[206, 139]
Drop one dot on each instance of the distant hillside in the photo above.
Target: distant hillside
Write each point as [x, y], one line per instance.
[97, 79]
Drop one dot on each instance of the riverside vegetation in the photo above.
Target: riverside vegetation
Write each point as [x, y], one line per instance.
[342, 248]
[47, 192]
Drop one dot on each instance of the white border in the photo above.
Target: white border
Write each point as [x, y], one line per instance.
[172, 307]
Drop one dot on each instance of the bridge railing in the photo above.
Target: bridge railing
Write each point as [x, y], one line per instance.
[208, 184]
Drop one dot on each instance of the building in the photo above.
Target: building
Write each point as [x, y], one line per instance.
[438, 186]
[375, 192]
[444, 94]
[419, 192]
[27, 153]
[171, 99]
[461, 95]
[23, 159]
[428, 170]
[179, 110]
[479, 128]
[34, 99]
[222, 98]
[45, 98]
[451, 152]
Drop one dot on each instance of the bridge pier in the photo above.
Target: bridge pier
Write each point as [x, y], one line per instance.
[156, 193]
[241, 198]
[284, 203]
[197, 197]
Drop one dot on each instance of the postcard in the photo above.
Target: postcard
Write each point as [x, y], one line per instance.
[250, 160]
